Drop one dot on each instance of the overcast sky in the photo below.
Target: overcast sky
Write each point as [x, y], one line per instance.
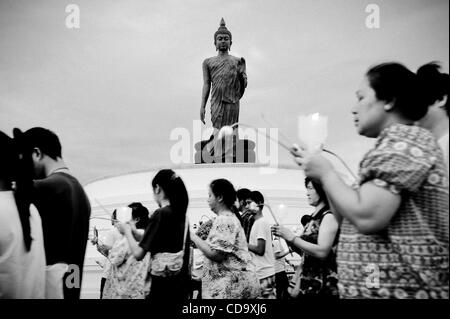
[115, 88]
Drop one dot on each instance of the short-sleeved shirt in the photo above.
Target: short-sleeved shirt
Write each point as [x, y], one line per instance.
[265, 264]
[233, 277]
[65, 212]
[410, 257]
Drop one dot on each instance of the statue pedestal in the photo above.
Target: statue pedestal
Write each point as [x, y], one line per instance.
[243, 151]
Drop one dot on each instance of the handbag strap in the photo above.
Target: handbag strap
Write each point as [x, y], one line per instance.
[186, 224]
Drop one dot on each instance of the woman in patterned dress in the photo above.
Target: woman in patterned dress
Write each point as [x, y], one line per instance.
[128, 277]
[227, 269]
[394, 236]
[318, 242]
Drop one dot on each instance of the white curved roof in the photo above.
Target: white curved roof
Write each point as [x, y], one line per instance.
[284, 185]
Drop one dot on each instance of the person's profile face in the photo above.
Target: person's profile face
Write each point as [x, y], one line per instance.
[223, 42]
[212, 200]
[312, 195]
[368, 113]
[250, 204]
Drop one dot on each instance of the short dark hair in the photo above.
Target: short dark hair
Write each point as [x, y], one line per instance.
[243, 194]
[394, 83]
[434, 83]
[319, 190]
[258, 198]
[42, 138]
[140, 211]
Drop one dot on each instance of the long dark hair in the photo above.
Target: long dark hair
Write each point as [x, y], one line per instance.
[12, 169]
[174, 188]
[224, 188]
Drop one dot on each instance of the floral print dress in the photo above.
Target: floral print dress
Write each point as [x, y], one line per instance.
[410, 257]
[232, 278]
[128, 278]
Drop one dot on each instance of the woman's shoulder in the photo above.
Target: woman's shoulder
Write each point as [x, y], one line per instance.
[228, 220]
[165, 211]
[225, 219]
[402, 145]
[400, 136]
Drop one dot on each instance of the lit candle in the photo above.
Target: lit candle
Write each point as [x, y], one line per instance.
[312, 130]
[123, 214]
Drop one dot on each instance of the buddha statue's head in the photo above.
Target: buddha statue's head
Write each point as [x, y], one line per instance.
[222, 37]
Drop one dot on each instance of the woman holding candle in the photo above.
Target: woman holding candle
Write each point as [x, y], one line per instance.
[318, 241]
[394, 236]
[228, 273]
[166, 235]
[128, 277]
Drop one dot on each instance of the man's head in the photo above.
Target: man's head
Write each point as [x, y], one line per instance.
[242, 195]
[222, 37]
[40, 146]
[256, 201]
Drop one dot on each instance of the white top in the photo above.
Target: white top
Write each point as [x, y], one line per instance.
[443, 143]
[22, 273]
[279, 245]
[264, 265]
[109, 239]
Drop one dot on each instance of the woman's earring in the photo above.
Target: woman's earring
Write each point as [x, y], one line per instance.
[387, 107]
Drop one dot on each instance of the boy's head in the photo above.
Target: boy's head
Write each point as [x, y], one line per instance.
[242, 194]
[38, 146]
[256, 201]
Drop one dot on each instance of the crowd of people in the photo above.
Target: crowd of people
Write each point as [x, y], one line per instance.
[391, 226]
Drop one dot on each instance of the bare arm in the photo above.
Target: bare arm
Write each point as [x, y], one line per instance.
[136, 250]
[259, 248]
[327, 234]
[136, 233]
[212, 254]
[205, 91]
[369, 208]
[242, 76]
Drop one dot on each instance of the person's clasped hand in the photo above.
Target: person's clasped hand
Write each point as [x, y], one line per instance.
[123, 227]
[314, 165]
[283, 232]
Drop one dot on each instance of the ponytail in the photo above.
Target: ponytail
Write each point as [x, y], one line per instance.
[174, 188]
